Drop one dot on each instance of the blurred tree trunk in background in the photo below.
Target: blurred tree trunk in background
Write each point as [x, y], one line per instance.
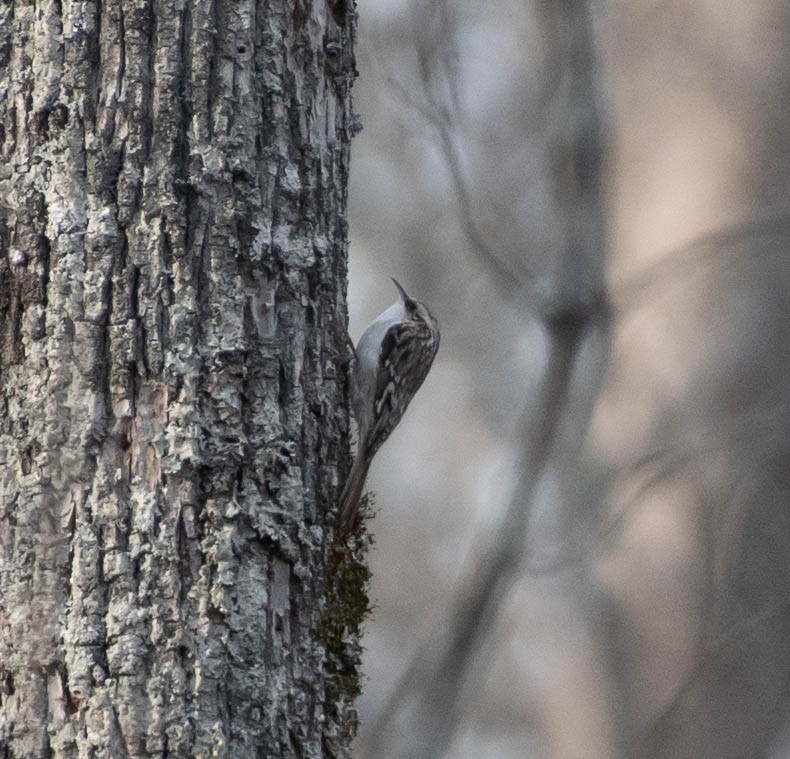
[425, 710]
[172, 404]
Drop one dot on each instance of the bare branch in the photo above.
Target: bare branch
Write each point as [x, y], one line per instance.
[519, 285]
[678, 264]
[436, 679]
[432, 686]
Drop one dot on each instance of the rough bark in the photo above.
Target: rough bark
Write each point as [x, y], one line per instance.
[172, 378]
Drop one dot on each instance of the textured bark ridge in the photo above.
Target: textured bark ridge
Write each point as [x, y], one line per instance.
[172, 376]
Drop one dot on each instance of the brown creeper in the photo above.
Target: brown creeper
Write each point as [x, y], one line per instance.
[393, 357]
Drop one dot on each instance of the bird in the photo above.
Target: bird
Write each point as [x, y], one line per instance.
[392, 360]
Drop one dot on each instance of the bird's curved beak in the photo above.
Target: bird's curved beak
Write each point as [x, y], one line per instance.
[402, 292]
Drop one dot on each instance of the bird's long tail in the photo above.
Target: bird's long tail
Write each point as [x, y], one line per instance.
[352, 492]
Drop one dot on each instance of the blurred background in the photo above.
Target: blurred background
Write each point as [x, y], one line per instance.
[583, 540]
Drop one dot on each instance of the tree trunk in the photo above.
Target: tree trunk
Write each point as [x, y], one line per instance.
[173, 410]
